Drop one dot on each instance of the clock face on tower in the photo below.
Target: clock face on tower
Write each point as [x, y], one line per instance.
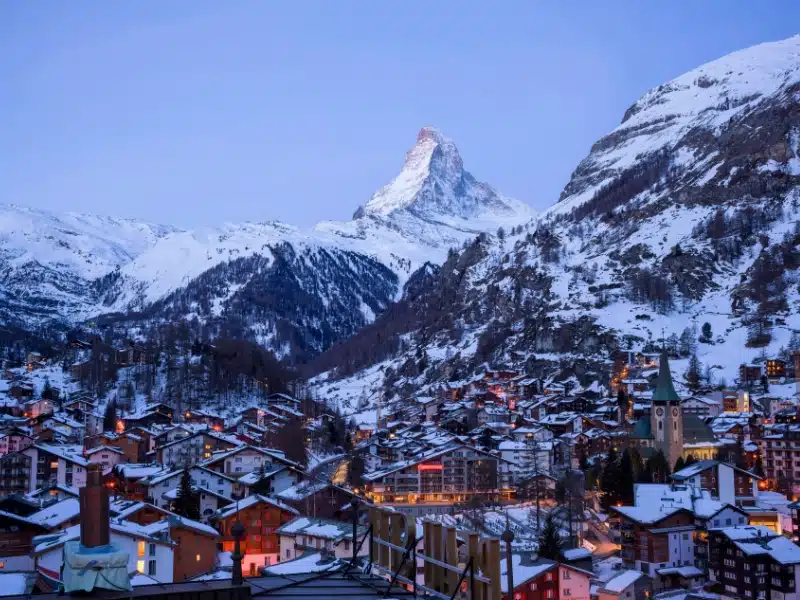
[674, 412]
[660, 412]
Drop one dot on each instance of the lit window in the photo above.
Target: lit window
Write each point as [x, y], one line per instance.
[197, 558]
[140, 551]
[140, 566]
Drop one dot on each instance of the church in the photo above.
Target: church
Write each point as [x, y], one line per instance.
[667, 428]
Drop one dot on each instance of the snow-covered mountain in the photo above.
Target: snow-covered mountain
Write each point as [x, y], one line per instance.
[685, 214]
[62, 269]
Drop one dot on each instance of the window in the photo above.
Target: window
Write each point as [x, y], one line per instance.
[565, 574]
[197, 558]
[288, 555]
[533, 587]
[140, 551]
[548, 594]
[685, 536]
[140, 566]
[567, 592]
[548, 577]
[727, 521]
[220, 481]
[237, 459]
[151, 567]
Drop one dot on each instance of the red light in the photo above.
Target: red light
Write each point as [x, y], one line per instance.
[429, 468]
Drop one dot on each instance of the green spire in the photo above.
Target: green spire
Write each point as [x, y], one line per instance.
[665, 390]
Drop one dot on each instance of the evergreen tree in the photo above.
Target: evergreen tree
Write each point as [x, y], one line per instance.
[187, 502]
[686, 345]
[291, 440]
[622, 402]
[626, 478]
[110, 417]
[679, 464]
[707, 336]
[693, 373]
[609, 482]
[550, 543]
[659, 467]
[355, 474]
[690, 460]
[646, 474]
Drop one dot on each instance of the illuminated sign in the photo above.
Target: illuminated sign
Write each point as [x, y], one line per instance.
[429, 468]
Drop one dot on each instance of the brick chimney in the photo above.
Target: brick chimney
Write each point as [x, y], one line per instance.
[94, 509]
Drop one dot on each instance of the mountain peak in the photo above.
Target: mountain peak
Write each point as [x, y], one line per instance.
[434, 186]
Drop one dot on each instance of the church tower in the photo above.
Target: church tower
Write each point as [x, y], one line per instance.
[666, 418]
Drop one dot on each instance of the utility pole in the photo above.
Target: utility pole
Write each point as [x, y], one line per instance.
[536, 475]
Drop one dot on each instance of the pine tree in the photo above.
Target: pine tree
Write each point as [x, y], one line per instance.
[609, 482]
[110, 417]
[355, 473]
[693, 373]
[707, 335]
[659, 467]
[550, 543]
[679, 464]
[690, 460]
[622, 402]
[187, 501]
[626, 478]
[291, 440]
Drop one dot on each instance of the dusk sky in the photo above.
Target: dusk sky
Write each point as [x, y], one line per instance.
[193, 112]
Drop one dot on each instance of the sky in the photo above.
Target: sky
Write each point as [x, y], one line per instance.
[195, 112]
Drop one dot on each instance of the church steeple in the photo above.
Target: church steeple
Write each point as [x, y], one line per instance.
[665, 390]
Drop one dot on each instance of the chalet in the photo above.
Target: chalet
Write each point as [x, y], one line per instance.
[318, 499]
[16, 541]
[308, 534]
[131, 480]
[132, 354]
[655, 537]
[192, 449]
[20, 389]
[201, 417]
[56, 464]
[725, 482]
[106, 456]
[245, 459]
[544, 579]
[753, 562]
[15, 473]
[701, 406]
[131, 444]
[14, 440]
[261, 517]
[749, 374]
[775, 370]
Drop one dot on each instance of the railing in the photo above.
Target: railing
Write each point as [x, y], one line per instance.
[400, 557]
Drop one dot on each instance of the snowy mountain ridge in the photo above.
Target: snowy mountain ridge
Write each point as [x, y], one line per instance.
[686, 214]
[68, 268]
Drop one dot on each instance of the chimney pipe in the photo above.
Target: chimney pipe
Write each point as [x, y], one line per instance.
[93, 500]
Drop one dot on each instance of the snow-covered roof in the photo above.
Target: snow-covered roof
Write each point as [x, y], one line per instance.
[523, 572]
[227, 511]
[318, 528]
[780, 549]
[619, 583]
[307, 563]
[56, 514]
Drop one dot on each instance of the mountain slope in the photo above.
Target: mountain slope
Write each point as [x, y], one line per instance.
[333, 278]
[685, 214]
